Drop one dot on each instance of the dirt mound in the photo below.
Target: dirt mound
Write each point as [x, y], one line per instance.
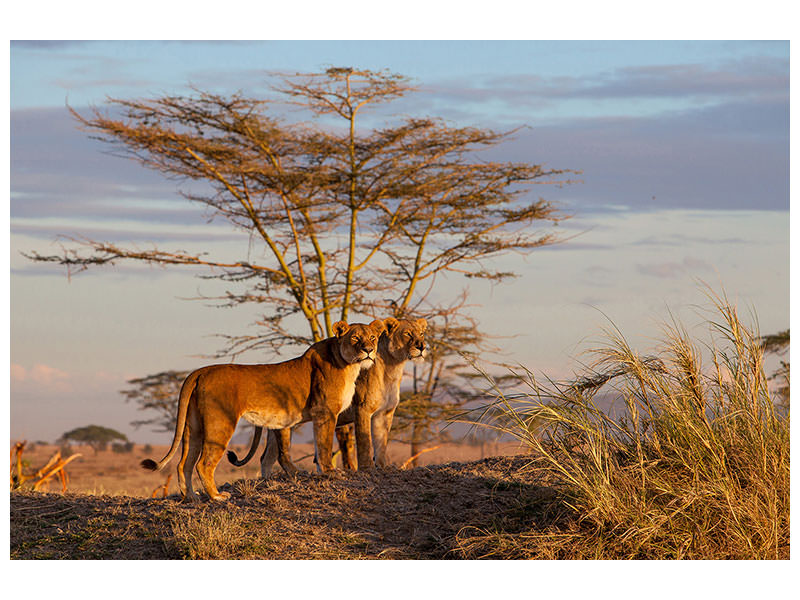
[429, 512]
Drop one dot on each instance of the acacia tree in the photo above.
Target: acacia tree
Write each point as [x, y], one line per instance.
[157, 393]
[96, 436]
[353, 220]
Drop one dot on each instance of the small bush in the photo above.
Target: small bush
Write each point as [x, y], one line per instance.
[66, 450]
[122, 448]
[697, 467]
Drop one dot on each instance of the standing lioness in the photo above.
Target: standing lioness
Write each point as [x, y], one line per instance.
[377, 394]
[316, 386]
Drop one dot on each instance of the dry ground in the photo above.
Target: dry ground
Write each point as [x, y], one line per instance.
[108, 472]
[429, 512]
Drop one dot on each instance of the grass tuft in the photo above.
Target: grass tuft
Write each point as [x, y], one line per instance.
[696, 467]
[210, 534]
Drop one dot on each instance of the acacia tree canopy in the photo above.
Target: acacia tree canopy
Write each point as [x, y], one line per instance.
[351, 220]
[96, 436]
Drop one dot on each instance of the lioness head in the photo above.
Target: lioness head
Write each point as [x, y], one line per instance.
[406, 338]
[358, 342]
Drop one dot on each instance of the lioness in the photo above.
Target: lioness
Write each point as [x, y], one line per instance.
[316, 386]
[377, 394]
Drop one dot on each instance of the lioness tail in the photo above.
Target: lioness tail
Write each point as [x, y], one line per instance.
[149, 464]
[234, 460]
[187, 389]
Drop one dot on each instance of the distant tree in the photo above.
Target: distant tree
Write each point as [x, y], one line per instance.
[337, 220]
[96, 436]
[436, 391]
[158, 393]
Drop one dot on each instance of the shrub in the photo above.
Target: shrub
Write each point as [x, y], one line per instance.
[696, 467]
[66, 450]
[122, 448]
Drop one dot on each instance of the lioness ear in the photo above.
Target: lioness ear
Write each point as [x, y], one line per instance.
[391, 324]
[340, 328]
[422, 324]
[378, 326]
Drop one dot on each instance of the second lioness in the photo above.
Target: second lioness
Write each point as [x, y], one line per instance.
[376, 397]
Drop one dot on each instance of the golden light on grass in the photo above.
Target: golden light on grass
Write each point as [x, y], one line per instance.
[696, 467]
[204, 535]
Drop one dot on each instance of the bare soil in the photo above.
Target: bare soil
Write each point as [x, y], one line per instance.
[428, 512]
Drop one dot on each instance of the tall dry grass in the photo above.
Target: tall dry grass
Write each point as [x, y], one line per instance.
[697, 466]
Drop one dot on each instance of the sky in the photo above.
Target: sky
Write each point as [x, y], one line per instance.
[683, 148]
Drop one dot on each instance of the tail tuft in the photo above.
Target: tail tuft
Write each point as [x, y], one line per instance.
[149, 464]
[233, 459]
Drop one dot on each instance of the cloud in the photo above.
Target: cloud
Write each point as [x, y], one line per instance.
[726, 157]
[45, 44]
[673, 270]
[731, 154]
[753, 77]
[40, 375]
[52, 379]
[670, 86]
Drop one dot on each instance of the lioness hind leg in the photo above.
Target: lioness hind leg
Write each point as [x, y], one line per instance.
[217, 427]
[191, 452]
[209, 459]
[192, 445]
[284, 442]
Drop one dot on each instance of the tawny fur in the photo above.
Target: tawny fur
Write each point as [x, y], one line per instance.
[316, 387]
[377, 393]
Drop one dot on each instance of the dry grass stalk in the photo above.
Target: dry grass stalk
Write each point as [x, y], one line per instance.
[408, 462]
[162, 489]
[698, 467]
[54, 467]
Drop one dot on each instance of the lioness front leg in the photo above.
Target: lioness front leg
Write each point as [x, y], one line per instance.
[324, 424]
[364, 438]
[381, 424]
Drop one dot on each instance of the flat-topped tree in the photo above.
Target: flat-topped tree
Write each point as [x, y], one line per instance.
[351, 219]
[96, 436]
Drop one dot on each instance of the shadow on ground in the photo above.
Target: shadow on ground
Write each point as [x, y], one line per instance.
[423, 513]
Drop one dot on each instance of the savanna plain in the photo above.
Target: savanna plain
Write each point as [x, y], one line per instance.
[694, 466]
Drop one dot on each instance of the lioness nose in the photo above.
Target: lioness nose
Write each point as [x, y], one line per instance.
[420, 345]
